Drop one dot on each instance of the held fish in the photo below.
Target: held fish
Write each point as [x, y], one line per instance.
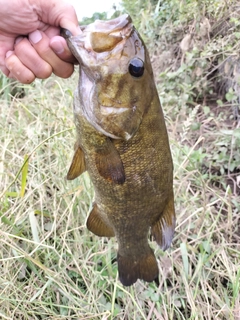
[122, 142]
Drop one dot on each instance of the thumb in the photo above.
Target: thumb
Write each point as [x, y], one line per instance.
[59, 14]
[71, 26]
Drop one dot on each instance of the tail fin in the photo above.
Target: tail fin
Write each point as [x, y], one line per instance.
[132, 268]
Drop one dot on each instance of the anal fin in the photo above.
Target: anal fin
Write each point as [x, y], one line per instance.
[77, 166]
[163, 229]
[109, 163]
[97, 225]
[143, 267]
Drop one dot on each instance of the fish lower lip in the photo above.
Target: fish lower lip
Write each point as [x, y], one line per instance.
[111, 110]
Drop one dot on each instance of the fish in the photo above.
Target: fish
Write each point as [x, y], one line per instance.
[122, 142]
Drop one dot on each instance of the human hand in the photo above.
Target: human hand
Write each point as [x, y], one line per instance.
[30, 42]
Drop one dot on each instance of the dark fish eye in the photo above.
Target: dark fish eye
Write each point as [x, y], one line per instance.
[136, 67]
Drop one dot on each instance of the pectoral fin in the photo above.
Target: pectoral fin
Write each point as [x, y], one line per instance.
[97, 225]
[163, 229]
[109, 163]
[77, 166]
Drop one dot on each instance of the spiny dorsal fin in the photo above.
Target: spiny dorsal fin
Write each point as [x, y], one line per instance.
[77, 166]
[97, 225]
[163, 229]
[109, 163]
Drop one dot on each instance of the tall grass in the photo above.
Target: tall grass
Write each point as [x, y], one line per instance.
[52, 267]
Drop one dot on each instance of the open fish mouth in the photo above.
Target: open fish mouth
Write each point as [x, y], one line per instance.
[109, 26]
[113, 110]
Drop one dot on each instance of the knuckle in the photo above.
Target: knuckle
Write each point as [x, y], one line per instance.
[5, 70]
[28, 79]
[43, 71]
[24, 75]
[65, 72]
[21, 46]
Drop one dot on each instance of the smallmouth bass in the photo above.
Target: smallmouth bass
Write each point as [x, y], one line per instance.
[122, 142]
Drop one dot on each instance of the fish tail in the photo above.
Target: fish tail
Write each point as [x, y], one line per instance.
[131, 268]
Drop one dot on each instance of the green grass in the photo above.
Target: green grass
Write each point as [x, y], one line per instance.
[52, 267]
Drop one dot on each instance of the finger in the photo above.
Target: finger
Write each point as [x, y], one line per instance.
[31, 59]
[17, 69]
[6, 44]
[4, 70]
[41, 43]
[60, 47]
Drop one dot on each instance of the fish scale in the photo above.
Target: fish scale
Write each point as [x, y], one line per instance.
[122, 142]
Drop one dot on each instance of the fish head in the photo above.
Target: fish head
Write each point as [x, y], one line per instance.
[116, 83]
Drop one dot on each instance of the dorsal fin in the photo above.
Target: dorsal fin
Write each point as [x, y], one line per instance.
[163, 229]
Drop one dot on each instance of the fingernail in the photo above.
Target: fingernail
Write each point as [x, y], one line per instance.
[18, 39]
[35, 36]
[57, 46]
[8, 54]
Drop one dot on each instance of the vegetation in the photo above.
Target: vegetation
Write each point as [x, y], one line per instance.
[52, 267]
[95, 16]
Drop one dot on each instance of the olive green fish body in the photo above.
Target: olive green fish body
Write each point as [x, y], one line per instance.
[122, 142]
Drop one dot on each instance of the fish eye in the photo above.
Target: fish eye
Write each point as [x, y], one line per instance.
[136, 67]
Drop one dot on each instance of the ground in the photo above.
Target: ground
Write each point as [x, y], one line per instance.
[52, 267]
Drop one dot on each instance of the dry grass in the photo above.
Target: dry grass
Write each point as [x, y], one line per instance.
[52, 267]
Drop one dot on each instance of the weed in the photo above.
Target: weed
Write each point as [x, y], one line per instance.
[52, 267]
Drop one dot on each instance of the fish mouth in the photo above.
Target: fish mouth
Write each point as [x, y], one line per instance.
[109, 26]
[100, 36]
[105, 110]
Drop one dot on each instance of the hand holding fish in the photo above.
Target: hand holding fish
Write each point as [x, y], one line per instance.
[30, 45]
